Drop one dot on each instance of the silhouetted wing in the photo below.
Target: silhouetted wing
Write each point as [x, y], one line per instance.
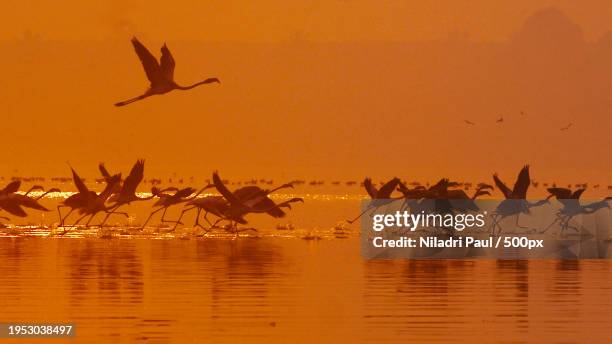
[29, 202]
[79, 183]
[560, 193]
[522, 183]
[386, 190]
[14, 209]
[223, 190]
[149, 62]
[131, 182]
[502, 187]
[248, 192]
[167, 63]
[11, 187]
[370, 188]
[186, 192]
[578, 193]
[104, 171]
[457, 194]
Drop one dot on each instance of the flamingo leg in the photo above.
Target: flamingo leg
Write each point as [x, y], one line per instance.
[129, 101]
[557, 219]
[181, 216]
[90, 218]
[60, 214]
[79, 220]
[116, 213]
[361, 214]
[150, 215]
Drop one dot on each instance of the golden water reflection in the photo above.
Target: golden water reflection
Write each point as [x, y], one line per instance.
[290, 290]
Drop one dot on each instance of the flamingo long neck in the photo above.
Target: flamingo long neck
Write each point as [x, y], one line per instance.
[278, 188]
[185, 88]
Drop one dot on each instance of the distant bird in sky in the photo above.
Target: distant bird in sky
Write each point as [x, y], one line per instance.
[469, 122]
[522, 113]
[567, 127]
[500, 120]
[160, 75]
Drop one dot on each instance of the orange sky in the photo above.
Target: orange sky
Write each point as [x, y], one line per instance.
[273, 21]
[331, 89]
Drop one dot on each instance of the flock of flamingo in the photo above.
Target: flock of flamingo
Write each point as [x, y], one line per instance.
[445, 197]
[231, 207]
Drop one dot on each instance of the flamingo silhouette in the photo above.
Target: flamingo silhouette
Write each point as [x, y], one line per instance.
[160, 75]
[87, 202]
[572, 207]
[13, 202]
[167, 200]
[516, 199]
[250, 199]
[127, 191]
[216, 205]
[379, 197]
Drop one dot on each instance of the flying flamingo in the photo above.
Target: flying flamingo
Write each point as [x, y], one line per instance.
[167, 200]
[379, 197]
[216, 205]
[127, 191]
[87, 202]
[160, 75]
[572, 206]
[516, 199]
[250, 200]
[13, 202]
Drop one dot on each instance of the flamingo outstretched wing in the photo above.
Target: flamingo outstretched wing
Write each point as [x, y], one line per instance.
[11, 187]
[104, 171]
[223, 190]
[14, 209]
[149, 62]
[578, 193]
[370, 188]
[522, 183]
[560, 193]
[167, 63]
[386, 190]
[78, 182]
[502, 187]
[131, 182]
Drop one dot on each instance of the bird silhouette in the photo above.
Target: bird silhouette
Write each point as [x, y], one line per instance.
[127, 191]
[379, 197]
[469, 122]
[87, 202]
[567, 127]
[12, 202]
[167, 200]
[500, 120]
[249, 199]
[516, 199]
[216, 205]
[160, 74]
[572, 207]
